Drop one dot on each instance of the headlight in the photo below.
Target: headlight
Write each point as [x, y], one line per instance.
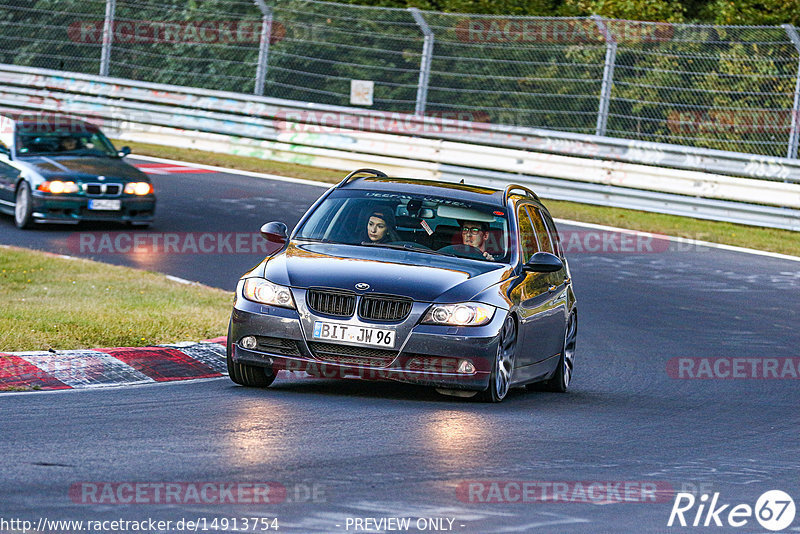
[265, 292]
[138, 188]
[58, 187]
[462, 314]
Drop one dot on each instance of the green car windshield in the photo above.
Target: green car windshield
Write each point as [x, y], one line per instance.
[71, 142]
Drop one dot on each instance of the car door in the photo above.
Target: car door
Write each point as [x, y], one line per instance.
[542, 301]
[532, 294]
[8, 180]
[553, 330]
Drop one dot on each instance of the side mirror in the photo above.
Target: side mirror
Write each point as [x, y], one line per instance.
[543, 262]
[4, 150]
[124, 151]
[275, 232]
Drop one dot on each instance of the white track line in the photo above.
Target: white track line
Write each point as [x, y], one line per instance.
[683, 240]
[110, 386]
[676, 239]
[235, 171]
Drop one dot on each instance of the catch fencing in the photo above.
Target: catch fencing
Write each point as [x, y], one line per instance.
[731, 88]
[735, 187]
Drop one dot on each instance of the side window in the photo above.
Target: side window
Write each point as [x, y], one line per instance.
[8, 170]
[545, 244]
[527, 234]
[554, 236]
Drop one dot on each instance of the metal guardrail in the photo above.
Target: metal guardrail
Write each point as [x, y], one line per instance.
[548, 141]
[729, 87]
[598, 170]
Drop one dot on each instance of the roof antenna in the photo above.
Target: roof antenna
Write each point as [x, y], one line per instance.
[462, 181]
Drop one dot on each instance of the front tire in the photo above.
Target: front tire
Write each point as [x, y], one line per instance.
[246, 375]
[559, 383]
[23, 206]
[503, 366]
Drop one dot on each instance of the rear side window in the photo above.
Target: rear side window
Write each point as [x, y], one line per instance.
[545, 243]
[527, 234]
[554, 236]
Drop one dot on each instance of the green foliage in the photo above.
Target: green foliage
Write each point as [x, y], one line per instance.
[753, 12]
[651, 10]
[721, 87]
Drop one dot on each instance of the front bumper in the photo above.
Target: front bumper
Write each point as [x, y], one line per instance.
[427, 356]
[75, 208]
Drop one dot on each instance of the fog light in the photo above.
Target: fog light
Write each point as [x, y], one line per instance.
[466, 367]
[248, 342]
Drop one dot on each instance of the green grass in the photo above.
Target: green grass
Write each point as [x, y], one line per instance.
[774, 240]
[53, 302]
[771, 239]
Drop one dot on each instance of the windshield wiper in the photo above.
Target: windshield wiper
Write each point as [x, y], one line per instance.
[44, 153]
[408, 247]
[315, 240]
[88, 152]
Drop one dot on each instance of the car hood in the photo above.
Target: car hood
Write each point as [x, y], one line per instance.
[423, 277]
[79, 167]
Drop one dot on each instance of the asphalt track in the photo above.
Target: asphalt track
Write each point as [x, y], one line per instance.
[349, 449]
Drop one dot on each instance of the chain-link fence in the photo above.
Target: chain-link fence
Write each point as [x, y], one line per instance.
[727, 87]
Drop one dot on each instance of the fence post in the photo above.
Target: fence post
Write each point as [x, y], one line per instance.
[794, 133]
[608, 75]
[425, 61]
[108, 37]
[263, 49]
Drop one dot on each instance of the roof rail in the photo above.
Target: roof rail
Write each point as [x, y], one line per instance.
[373, 172]
[512, 187]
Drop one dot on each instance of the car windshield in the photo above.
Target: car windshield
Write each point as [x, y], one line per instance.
[72, 142]
[420, 223]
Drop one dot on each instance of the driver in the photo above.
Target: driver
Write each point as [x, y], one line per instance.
[68, 143]
[475, 234]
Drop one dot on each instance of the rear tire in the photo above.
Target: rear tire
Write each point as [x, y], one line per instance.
[246, 375]
[559, 383]
[503, 366]
[23, 206]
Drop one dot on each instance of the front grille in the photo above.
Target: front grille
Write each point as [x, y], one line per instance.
[276, 345]
[432, 364]
[331, 302]
[384, 308]
[103, 189]
[99, 215]
[346, 354]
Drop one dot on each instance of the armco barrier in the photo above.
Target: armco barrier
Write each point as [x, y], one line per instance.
[706, 184]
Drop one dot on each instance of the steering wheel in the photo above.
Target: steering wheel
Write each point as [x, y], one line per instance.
[464, 251]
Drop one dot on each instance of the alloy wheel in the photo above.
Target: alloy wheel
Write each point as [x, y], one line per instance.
[21, 206]
[504, 363]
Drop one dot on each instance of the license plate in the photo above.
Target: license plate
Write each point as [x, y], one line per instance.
[375, 337]
[105, 204]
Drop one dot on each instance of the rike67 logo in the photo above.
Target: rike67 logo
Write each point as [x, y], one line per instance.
[774, 510]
